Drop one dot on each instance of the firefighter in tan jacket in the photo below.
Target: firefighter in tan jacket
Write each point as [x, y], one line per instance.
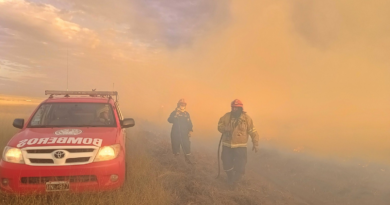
[235, 127]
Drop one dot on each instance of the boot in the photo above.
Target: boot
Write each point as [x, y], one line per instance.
[230, 176]
[187, 158]
[237, 178]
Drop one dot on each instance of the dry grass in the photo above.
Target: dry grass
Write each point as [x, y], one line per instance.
[155, 176]
[197, 184]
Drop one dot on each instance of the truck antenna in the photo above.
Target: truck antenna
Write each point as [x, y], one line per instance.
[67, 69]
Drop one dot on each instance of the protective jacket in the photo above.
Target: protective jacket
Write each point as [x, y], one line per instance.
[241, 128]
[181, 127]
[181, 121]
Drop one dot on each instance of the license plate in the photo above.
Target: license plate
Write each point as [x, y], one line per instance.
[57, 186]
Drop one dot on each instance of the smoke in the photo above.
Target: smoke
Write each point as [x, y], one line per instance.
[307, 77]
[311, 74]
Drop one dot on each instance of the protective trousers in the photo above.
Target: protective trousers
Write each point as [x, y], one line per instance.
[182, 140]
[234, 161]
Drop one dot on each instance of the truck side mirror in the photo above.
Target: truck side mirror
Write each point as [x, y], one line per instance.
[18, 123]
[127, 122]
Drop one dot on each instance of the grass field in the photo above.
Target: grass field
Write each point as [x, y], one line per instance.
[154, 176]
[142, 187]
[273, 177]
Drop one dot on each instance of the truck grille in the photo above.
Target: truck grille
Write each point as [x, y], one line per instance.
[80, 159]
[42, 161]
[71, 179]
[59, 155]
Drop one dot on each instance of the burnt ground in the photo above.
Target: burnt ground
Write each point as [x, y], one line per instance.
[319, 181]
[273, 177]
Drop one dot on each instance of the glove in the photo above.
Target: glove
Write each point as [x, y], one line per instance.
[254, 148]
[190, 134]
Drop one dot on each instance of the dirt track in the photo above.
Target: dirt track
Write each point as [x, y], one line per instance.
[272, 177]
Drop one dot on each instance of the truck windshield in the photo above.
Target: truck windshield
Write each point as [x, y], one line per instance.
[73, 115]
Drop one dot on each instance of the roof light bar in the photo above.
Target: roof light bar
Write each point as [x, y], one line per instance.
[59, 92]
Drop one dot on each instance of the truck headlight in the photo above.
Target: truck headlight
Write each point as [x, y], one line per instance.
[107, 153]
[13, 155]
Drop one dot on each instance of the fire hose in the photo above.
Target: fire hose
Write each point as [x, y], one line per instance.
[219, 166]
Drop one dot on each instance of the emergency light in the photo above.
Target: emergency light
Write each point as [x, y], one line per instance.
[59, 92]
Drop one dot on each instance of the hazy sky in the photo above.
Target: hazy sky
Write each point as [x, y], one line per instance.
[311, 73]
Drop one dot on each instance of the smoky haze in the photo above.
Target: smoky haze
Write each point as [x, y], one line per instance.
[313, 75]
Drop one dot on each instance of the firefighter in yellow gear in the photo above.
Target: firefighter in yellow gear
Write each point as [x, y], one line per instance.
[235, 127]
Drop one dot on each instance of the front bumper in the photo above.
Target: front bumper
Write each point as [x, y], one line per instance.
[88, 177]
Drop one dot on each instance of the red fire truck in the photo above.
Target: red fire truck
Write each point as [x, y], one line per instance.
[73, 141]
